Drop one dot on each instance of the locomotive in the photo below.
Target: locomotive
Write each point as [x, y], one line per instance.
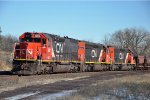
[44, 53]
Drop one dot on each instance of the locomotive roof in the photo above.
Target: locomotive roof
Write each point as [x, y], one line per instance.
[57, 36]
[51, 35]
[75, 40]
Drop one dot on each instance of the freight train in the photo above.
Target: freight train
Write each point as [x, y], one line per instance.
[43, 53]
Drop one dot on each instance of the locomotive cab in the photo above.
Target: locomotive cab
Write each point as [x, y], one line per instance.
[30, 46]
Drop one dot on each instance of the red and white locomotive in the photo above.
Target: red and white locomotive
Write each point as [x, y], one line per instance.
[39, 53]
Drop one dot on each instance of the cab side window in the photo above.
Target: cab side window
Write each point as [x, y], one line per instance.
[43, 42]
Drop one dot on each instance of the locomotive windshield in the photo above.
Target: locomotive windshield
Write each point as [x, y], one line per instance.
[26, 40]
[37, 40]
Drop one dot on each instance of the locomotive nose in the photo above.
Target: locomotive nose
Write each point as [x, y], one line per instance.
[26, 50]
